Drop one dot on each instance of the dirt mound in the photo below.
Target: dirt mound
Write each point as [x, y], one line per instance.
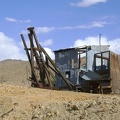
[24, 103]
[15, 72]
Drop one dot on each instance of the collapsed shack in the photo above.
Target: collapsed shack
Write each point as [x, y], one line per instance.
[86, 68]
[89, 68]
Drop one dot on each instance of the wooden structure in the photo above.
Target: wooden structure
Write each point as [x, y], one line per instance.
[43, 69]
[115, 72]
[88, 73]
[42, 66]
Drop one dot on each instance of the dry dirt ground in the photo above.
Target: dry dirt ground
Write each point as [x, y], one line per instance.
[15, 72]
[18, 101]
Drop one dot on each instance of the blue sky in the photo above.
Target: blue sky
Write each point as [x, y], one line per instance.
[58, 24]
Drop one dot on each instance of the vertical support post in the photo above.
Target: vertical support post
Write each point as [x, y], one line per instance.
[79, 60]
[100, 42]
[86, 58]
[32, 56]
[94, 62]
[101, 61]
[26, 49]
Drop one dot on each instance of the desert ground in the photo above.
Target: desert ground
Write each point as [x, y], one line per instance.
[19, 101]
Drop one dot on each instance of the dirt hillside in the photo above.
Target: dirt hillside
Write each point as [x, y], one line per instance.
[18, 101]
[15, 72]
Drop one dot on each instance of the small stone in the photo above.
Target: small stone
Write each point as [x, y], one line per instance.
[75, 107]
[49, 114]
[16, 104]
[35, 116]
[42, 107]
[94, 102]
[57, 112]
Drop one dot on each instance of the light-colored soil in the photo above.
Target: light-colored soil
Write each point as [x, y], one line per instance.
[24, 103]
[15, 72]
[18, 101]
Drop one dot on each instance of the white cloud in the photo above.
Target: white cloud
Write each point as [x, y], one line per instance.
[98, 24]
[15, 20]
[50, 53]
[39, 30]
[27, 21]
[9, 49]
[43, 29]
[47, 42]
[10, 19]
[24, 32]
[114, 44]
[87, 3]
[94, 24]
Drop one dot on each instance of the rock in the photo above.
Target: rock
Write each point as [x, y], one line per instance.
[56, 112]
[94, 103]
[49, 114]
[16, 104]
[74, 107]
